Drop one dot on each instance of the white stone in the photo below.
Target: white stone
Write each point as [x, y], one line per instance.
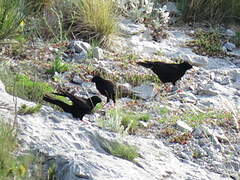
[77, 148]
[230, 32]
[171, 7]
[130, 28]
[144, 91]
[79, 46]
[183, 126]
[98, 53]
[2, 87]
[229, 46]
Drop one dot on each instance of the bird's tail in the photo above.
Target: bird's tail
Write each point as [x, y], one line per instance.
[57, 102]
[146, 64]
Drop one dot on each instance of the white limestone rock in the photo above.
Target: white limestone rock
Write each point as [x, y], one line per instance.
[128, 27]
[145, 91]
[77, 148]
[98, 53]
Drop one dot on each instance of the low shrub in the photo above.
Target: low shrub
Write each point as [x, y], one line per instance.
[207, 43]
[120, 150]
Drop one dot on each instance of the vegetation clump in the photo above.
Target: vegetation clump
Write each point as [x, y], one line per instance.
[12, 14]
[95, 20]
[120, 150]
[207, 43]
[123, 121]
[215, 11]
[58, 66]
[24, 109]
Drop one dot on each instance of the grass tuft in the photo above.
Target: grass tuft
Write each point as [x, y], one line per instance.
[24, 109]
[95, 20]
[207, 43]
[214, 11]
[12, 13]
[120, 150]
[123, 121]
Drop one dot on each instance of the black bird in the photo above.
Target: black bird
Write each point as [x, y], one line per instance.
[80, 106]
[167, 72]
[105, 87]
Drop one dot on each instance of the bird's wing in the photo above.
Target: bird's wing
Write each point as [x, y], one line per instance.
[78, 102]
[66, 107]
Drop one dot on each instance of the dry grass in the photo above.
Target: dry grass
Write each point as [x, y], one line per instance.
[95, 20]
[211, 10]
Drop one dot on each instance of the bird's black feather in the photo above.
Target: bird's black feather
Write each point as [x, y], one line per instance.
[80, 106]
[105, 87]
[167, 72]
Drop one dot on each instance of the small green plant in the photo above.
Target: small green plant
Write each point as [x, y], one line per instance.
[58, 66]
[130, 120]
[24, 109]
[52, 172]
[220, 118]
[123, 121]
[120, 150]
[90, 52]
[98, 107]
[164, 110]
[207, 43]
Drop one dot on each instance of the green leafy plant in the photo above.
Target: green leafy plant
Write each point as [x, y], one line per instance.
[207, 43]
[58, 66]
[24, 109]
[52, 172]
[120, 150]
[121, 120]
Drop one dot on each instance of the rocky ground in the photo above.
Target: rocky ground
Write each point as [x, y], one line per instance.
[175, 143]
